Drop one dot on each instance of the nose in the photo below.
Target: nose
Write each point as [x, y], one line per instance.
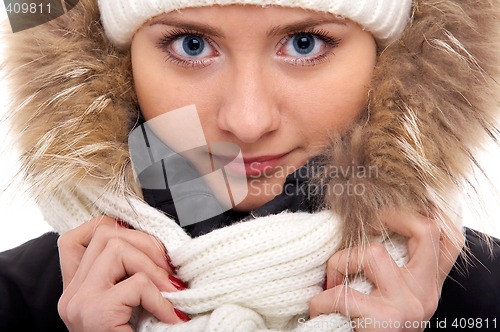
[249, 110]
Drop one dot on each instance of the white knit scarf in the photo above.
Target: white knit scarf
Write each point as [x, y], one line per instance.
[251, 276]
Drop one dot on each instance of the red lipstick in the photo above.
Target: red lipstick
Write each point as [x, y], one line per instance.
[262, 165]
[253, 166]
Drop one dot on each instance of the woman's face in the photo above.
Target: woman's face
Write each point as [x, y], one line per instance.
[277, 82]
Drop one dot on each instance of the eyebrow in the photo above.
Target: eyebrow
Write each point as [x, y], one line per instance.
[304, 25]
[200, 27]
[275, 31]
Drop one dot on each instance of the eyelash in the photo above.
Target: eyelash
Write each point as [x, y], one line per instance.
[170, 37]
[322, 35]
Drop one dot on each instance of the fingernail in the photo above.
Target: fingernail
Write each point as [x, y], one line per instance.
[169, 262]
[123, 224]
[182, 315]
[177, 283]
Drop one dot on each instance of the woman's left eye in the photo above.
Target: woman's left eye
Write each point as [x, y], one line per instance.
[306, 48]
[303, 44]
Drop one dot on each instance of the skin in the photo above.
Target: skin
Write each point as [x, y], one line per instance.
[249, 90]
[253, 91]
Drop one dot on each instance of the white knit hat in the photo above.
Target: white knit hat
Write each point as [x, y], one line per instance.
[385, 19]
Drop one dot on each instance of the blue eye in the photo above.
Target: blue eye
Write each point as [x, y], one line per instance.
[192, 46]
[307, 48]
[303, 43]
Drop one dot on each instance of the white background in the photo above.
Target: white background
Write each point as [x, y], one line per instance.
[21, 220]
[19, 217]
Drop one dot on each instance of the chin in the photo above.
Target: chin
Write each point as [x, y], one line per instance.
[252, 202]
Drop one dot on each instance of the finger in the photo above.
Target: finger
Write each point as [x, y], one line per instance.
[421, 273]
[148, 244]
[140, 290]
[119, 260]
[451, 243]
[72, 246]
[333, 277]
[112, 309]
[106, 232]
[423, 242]
[341, 299]
[375, 263]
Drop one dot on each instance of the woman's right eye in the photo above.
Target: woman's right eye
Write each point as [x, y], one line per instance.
[188, 49]
[192, 46]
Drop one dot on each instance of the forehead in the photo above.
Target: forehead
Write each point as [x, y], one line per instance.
[271, 19]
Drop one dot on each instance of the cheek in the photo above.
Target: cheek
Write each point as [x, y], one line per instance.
[159, 87]
[339, 97]
[332, 107]
[157, 95]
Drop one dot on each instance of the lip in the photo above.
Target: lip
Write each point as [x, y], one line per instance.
[251, 166]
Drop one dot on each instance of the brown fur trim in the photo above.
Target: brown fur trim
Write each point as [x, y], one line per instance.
[433, 101]
[73, 103]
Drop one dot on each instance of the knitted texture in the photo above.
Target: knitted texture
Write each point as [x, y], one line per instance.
[254, 275]
[385, 19]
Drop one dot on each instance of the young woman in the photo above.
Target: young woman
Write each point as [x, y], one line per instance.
[349, 127]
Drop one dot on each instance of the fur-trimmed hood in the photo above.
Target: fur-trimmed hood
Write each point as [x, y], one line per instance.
[433, 101]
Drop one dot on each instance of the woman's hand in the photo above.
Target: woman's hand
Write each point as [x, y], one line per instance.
[403, 299]
[108, 269]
